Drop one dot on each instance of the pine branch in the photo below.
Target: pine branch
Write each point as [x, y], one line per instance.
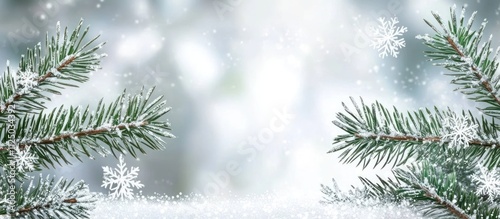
[66, 60]
[375, 134]
[370, 193]
[440, 196]
[126, 124]
[51, 199]
[473, 68]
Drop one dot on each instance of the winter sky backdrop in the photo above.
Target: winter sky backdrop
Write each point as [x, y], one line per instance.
[231, 68]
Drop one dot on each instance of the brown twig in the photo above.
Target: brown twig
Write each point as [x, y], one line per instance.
[476, 72]
[61, 137]
[449, 206]
[435, 139]
[31, 208]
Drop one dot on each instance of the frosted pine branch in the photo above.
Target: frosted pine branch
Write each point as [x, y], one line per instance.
[64, 58]
[54, 199]
[126, 124]
[377, 135]
[468, 58]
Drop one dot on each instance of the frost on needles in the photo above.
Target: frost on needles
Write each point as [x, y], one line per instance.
[445, 163]
[34, 138]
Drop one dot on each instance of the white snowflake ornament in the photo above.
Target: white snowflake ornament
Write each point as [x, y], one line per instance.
[385, 37]
[25, 160]
[458, 130]
[121, 180]
[488, 182]
[26, 81]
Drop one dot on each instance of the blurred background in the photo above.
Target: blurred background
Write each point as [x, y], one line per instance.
[254, 85]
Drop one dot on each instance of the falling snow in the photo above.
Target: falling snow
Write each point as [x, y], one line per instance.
[458, 130]
[121, 180]
[386, 37]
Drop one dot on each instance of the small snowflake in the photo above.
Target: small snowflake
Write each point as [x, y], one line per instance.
[488, 182]
[25, 159]
[459, 130]
[121, 180]
[26, 81]
[386, 37]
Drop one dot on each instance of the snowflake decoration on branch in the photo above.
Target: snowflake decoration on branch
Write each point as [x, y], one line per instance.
[26, 81]
[121, 180]
[25, 159]
[386, 37]
[458, 130]
[488, 182]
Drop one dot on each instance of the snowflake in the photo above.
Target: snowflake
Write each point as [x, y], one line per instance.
[488, 182]
[26, 81]
[25, 159]
[458, 130]
[121, 180]
[385, 37]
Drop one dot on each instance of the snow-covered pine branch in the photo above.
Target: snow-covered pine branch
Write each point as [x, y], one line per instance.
[380, 136]
[125, 125]
[51, 198]
[439, 194]
[447, 162]
[66, 59]
[461, 50]
[33, 138]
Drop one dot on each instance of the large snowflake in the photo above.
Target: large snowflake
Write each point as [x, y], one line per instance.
[488, 182]
[385, 37]
[26, 81]
[25, 160]
[459, 130]
[121, 180]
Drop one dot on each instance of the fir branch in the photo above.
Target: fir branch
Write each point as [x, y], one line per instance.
[440, 196]
[52, 199]
[66, 60]
[126, 124]
[375, 134]
[370, 193]
[470, 61]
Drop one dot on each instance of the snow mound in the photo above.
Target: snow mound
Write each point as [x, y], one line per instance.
[257, 206]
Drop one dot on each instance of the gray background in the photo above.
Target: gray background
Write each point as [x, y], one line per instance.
[226, 66]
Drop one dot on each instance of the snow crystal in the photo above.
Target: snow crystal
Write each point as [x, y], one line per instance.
[386, 37]
[458, 130]
[121, 180]
[25, 159]
[488, 182]
[26, 81]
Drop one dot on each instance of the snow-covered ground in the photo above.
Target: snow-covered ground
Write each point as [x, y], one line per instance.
[258, 206]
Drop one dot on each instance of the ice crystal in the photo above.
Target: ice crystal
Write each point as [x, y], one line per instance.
[488, 182]
[26, 81]
[386, 37]
[121, 180]
[25, 159]
[458, 130]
